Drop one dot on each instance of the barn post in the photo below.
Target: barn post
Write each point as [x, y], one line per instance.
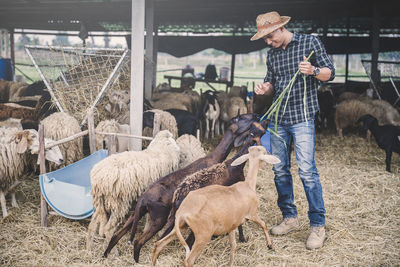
[42, 158]
[155, 55]
[347, 53]
[92, 134]
[232, 70]
[375, 45]
[137, 72]
[156, 124]
[12, 44]
[112, 144]
[149, 55]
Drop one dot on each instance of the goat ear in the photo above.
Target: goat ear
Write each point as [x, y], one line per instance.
[271, 159]
[240, 139]
[240, 160]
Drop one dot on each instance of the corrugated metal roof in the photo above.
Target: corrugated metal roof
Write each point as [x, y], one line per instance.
[200, 16]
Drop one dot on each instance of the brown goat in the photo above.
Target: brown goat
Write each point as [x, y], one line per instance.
[221, 174]
[156, 200]
[217, 210]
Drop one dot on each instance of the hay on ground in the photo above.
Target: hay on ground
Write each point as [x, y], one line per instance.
[362, 221]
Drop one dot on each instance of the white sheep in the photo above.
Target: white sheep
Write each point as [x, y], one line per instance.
[13, 159]
[217, 210]
[118, 180]
[60, 125]
[190, 150]
[112, 126]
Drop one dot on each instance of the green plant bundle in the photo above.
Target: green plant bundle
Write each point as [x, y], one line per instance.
[276, 105]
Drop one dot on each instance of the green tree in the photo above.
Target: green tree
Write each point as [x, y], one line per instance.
[26, 40]
[61, 40]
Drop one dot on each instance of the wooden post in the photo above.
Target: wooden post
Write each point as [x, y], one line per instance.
[149, 61]
[346, 77]
[1, 43]
[7, 45]
[43, 204]
[92, 134]
[251, 102]
[12, 44]
[137, 71]
[232, 71]
[375, 44]
[155, 55]
[156, 124]
[112, 144]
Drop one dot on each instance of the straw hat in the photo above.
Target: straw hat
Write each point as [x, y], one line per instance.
[269, 22]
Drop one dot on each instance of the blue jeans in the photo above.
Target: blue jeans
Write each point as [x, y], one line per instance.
[303, 135]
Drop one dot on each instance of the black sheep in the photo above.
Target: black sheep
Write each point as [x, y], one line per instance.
[325, 119]
[387, 136]
[187, 123]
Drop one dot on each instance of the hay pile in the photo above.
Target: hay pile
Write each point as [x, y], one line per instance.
[363, 221]
[79, 85]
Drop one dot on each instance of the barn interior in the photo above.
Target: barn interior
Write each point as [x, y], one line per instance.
[361, 198]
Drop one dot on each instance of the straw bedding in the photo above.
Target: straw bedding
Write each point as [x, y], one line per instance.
[363, 221]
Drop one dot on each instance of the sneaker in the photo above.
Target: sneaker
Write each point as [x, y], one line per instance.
[286, 226]
[316, 238]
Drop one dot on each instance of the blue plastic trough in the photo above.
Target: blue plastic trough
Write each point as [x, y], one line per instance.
[67, 190]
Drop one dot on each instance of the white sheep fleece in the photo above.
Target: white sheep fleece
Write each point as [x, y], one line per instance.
[60, 125]
[120, 179]
[191, 149]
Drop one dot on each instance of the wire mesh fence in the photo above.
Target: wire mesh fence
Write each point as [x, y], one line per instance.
[388, 71]
[79, 77]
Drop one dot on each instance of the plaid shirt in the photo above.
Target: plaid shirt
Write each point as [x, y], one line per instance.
[283, 64]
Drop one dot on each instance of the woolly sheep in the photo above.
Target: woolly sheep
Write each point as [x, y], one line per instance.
[60, 125]
[349, 111]
[118, 180]
[190, 150]
[13, 160]
[187, 100]
[11, 123]
[167, 122]
[11, 166]
[112, 126]
[231, 106]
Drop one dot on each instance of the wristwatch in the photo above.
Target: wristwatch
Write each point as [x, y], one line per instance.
[316, 71]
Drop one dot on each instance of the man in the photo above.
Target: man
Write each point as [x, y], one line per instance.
[288, 54]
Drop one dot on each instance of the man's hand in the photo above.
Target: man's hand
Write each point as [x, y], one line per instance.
[264, 89]
[306, 68]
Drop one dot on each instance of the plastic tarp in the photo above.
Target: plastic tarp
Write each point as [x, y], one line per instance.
[67, 190]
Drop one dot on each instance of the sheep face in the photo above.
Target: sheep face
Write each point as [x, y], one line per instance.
[28, 140]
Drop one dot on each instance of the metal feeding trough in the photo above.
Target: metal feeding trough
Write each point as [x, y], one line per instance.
[67, 190]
